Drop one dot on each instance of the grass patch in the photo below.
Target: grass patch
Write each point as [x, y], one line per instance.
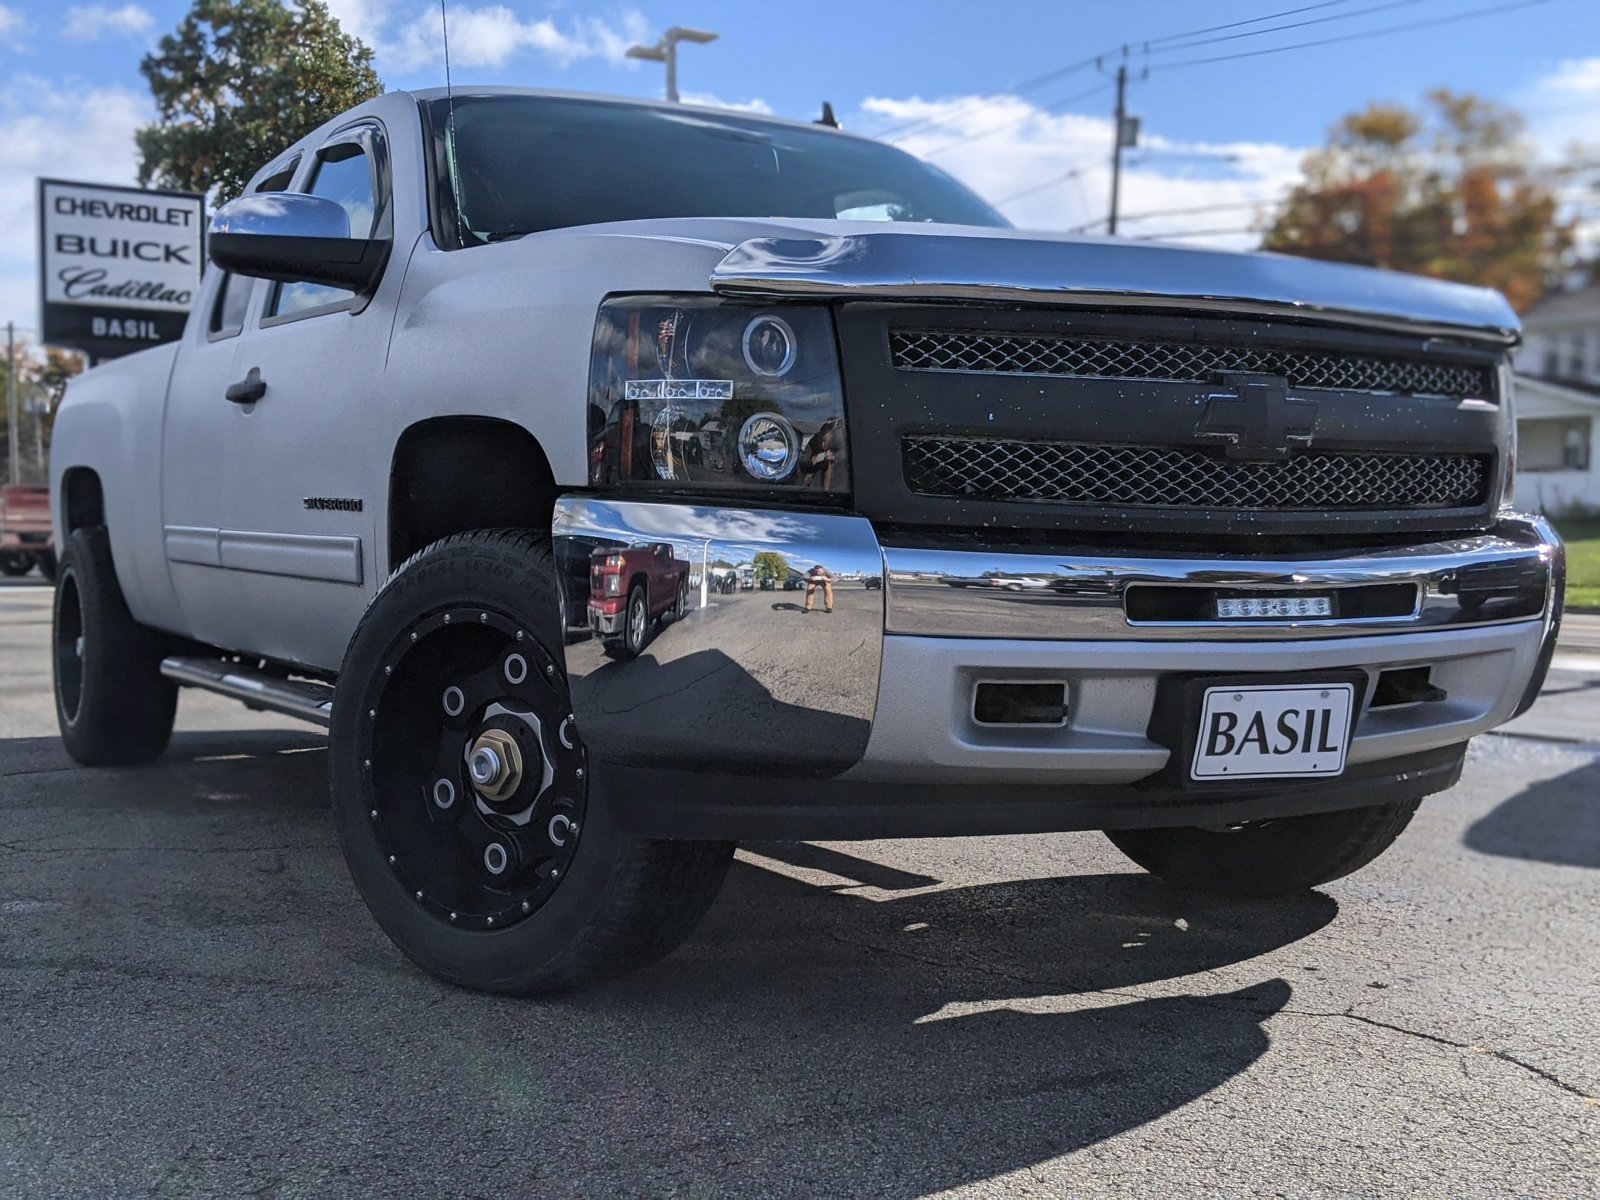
[1582, 536]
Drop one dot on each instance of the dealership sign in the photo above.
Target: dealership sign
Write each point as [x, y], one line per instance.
[119, 266]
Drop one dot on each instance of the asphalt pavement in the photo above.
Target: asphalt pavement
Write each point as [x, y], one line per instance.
[195, 1002]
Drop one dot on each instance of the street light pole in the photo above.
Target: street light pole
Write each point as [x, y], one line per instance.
[666, 51]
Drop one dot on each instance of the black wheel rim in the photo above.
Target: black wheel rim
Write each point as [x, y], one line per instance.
[69, 647]
[454, 684]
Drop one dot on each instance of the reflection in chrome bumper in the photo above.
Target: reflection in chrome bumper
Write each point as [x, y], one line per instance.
[1505, 575]
[747, 682]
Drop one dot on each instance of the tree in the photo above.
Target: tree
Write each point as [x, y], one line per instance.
[238, 82]
[771, 564]
[41, 379]
[1449, 192]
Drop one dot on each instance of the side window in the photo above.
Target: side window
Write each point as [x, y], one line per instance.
[227, 315]
[343, 174]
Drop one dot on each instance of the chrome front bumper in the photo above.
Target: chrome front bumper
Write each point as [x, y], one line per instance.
[748, 685]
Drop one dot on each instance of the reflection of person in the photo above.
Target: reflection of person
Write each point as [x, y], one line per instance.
[818, 577]
[822, 454]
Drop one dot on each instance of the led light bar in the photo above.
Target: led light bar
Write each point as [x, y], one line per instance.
[678, 389]
[1271, 607]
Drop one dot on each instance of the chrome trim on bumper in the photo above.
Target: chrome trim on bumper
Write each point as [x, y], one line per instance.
[1498, 577]
[743, 684]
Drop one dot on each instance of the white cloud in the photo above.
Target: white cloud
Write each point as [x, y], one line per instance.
[68, 133]
[712, 100]
[97, 21]
[1560, 108]
[12, 27]
[493, 35]
[364, 19]
[1048, 170]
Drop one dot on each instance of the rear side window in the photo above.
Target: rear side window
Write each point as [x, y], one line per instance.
[227, 317]
[344, 175]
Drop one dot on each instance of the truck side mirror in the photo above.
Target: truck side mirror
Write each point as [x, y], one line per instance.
[294, 238]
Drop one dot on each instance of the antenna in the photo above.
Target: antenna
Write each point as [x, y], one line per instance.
[450, 125]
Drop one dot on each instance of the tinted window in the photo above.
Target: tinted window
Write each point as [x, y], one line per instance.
[528, 163]
[228, 315]
[344, 175]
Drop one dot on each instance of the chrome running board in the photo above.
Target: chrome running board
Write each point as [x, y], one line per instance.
[304, 699]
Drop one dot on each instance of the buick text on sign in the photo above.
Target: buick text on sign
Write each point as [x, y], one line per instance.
[120, 267]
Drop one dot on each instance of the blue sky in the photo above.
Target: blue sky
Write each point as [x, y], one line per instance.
[1219, 136]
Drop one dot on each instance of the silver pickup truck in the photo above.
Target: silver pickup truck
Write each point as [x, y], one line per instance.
[1210, 551]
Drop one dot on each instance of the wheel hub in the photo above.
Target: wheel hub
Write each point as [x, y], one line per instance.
[475, 768]
[495, 764]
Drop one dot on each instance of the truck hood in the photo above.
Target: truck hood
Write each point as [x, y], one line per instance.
[958, 263]
[860, 259]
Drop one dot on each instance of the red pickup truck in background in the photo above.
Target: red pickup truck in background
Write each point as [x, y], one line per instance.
[25, 530]
[629, 589]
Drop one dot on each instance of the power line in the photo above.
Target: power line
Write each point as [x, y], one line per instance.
[1233, 37]
[1292, 12]
[1352, 37]
[1048, 183]
[1015, 121]
[1038, 81]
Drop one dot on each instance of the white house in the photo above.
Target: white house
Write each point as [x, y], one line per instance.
[1558, 403]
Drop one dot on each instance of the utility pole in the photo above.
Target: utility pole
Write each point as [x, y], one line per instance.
[12, 417]
[1116, 146]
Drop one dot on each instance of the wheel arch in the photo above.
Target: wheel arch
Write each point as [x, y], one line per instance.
[82, 503]
[454, 474]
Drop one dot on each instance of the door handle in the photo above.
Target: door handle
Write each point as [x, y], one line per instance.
[249, 389]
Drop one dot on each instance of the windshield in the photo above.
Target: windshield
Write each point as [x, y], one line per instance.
[522, 164]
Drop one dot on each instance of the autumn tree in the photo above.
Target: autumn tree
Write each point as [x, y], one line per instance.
[238, 82]
[1448, 192]
[41, 380]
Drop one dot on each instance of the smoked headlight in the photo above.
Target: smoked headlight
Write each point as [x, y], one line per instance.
[697, 392]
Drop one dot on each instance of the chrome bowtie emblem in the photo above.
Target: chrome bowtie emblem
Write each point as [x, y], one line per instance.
[1255, 417]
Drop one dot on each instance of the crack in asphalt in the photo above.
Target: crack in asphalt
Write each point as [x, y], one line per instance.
[678, 691]
[1488, 1051]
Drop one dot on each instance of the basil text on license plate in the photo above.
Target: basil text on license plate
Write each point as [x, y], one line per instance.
[1279, 732]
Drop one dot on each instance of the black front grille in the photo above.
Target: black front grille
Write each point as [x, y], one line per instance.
[1158, 477]
[1032, 354]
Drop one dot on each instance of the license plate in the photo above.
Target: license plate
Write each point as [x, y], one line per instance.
[1288, 731]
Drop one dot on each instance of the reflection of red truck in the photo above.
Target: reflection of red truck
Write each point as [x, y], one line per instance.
[628, 589]
[25, 530]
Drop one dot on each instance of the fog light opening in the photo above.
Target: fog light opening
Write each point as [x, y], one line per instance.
[1405, 685]
[1009, 702]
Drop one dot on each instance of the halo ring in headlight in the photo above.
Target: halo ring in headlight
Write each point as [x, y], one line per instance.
[769, 448]
[769, 346]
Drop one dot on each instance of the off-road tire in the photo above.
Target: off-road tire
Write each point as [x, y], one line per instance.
[113, 705]
[1268, 858]
[15, 563]
[622, 902]
[46, 560]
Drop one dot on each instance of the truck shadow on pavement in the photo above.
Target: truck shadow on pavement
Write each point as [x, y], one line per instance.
[894, 1038]
[1554, 821]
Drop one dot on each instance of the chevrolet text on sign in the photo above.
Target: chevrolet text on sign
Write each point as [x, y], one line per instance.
[120, 266]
